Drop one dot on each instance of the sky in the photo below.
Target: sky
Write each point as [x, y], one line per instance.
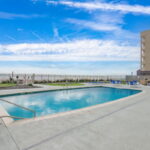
[89, 37]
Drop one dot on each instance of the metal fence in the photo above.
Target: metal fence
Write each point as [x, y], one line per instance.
[50, 77]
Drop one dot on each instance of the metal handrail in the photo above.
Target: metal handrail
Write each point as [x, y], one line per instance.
[31, 110]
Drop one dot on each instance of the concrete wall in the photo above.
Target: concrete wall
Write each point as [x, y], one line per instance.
[144, 72]
[145, 51]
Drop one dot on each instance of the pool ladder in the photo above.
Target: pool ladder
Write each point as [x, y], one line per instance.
[15, 117]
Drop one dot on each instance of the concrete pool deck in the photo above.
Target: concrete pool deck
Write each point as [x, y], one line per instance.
[122, 125]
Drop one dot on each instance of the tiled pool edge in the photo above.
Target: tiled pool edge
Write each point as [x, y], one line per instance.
[60, 88]
[50, 116]
[9, 121]
[75, 111]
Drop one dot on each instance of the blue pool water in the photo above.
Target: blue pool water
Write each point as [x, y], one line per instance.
[63, 100]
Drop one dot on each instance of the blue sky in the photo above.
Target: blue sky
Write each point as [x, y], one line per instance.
[72, 37]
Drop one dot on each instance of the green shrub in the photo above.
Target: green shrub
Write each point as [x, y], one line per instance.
[30, 84]
[6, 81]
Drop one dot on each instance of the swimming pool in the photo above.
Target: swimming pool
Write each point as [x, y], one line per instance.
[52, 102]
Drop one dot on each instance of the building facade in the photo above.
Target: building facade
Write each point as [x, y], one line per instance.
[144, 72]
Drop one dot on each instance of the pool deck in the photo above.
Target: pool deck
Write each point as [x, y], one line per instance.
[119, 125]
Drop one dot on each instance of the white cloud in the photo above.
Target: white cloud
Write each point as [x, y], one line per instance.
[78, 50]
[19, 29]
[6, 15]
[105, 6]
[37, 36]
[56, 33]
[11, 38]
[98, 26]
[106, 17]
[56, 36]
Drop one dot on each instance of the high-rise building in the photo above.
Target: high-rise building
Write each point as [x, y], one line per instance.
[144, 72]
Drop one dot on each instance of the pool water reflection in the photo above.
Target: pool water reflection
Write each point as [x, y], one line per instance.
[63, 100]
